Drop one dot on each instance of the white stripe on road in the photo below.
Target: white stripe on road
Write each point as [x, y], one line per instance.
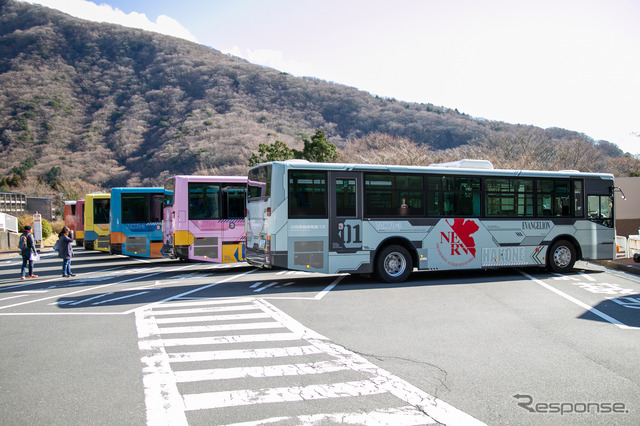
[321, 367]
[223, 327]
[119, 298]
[246, 338]
[587, 277]
[208, 318]
[237, 398]
[204, 310]
[163, 401]
[207, 302]
[186, 293]
[257, 290]
[581, 304]
[401, 416]
[244, 354]
[318, 296]
[90, 298]
[12, 297]
[84, 290]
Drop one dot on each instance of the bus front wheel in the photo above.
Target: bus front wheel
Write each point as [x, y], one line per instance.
[393, 264]
[562, 256]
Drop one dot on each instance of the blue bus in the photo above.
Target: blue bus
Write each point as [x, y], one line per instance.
[136, 221]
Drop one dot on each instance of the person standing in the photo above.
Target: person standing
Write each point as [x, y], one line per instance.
[65, 251]
[27, 249]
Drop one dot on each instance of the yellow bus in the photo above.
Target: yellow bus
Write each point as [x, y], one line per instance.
[97, 209]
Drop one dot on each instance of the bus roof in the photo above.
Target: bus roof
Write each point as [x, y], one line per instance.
[467, 167]
[197, 178]
[139, 190]
[97, 195]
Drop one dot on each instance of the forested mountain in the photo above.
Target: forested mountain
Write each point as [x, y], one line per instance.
[114, 106]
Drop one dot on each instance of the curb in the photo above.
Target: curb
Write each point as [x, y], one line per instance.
[630, 268]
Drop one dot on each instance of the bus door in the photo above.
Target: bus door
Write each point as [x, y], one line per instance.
[345, 213]
[233, 236]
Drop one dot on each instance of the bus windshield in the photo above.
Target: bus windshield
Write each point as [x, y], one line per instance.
[169, 188]
[259, 185]
[141, 208]
[101, 210]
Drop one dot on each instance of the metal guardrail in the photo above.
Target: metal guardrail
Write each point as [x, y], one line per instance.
[8, 223]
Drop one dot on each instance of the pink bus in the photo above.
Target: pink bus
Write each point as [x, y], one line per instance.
[203, 218]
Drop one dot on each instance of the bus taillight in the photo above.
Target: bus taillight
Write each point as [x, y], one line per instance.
[268, 211]
[268, 248]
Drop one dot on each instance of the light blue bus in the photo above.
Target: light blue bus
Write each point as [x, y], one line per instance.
[136, 221]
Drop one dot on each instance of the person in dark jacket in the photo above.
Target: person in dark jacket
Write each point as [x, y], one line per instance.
[27, 248]
[65, 251]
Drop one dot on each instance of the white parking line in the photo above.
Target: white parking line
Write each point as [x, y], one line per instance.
[119, 298]
[581, 304]
[13, 297]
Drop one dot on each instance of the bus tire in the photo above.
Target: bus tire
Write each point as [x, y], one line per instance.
[561, 256]
[393, 264]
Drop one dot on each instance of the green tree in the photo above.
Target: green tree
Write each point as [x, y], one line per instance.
[277, 151]
[319, 149]
[46, 229]
[52, 177]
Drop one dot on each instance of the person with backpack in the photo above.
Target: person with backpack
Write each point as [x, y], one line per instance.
[65, 251]
[27, 249]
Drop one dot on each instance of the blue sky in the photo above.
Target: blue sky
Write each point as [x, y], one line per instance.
[573, 64]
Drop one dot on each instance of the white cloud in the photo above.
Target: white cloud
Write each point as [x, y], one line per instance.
[104, 13]
[272, 59]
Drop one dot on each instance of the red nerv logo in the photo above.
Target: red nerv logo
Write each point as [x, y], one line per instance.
[457, 247]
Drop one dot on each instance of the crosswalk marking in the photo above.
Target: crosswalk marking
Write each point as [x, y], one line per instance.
[168, 401]
[220, 340]
[285, 394]
[321, 367]
[244, 354]
[209, 318]
[204, 310]
[401, 416]
[225, 327]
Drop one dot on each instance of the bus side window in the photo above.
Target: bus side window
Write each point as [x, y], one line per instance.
[235, 203]
[307, 194]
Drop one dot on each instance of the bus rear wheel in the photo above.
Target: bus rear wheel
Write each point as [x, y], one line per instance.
[561, 256]
[393, 264]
